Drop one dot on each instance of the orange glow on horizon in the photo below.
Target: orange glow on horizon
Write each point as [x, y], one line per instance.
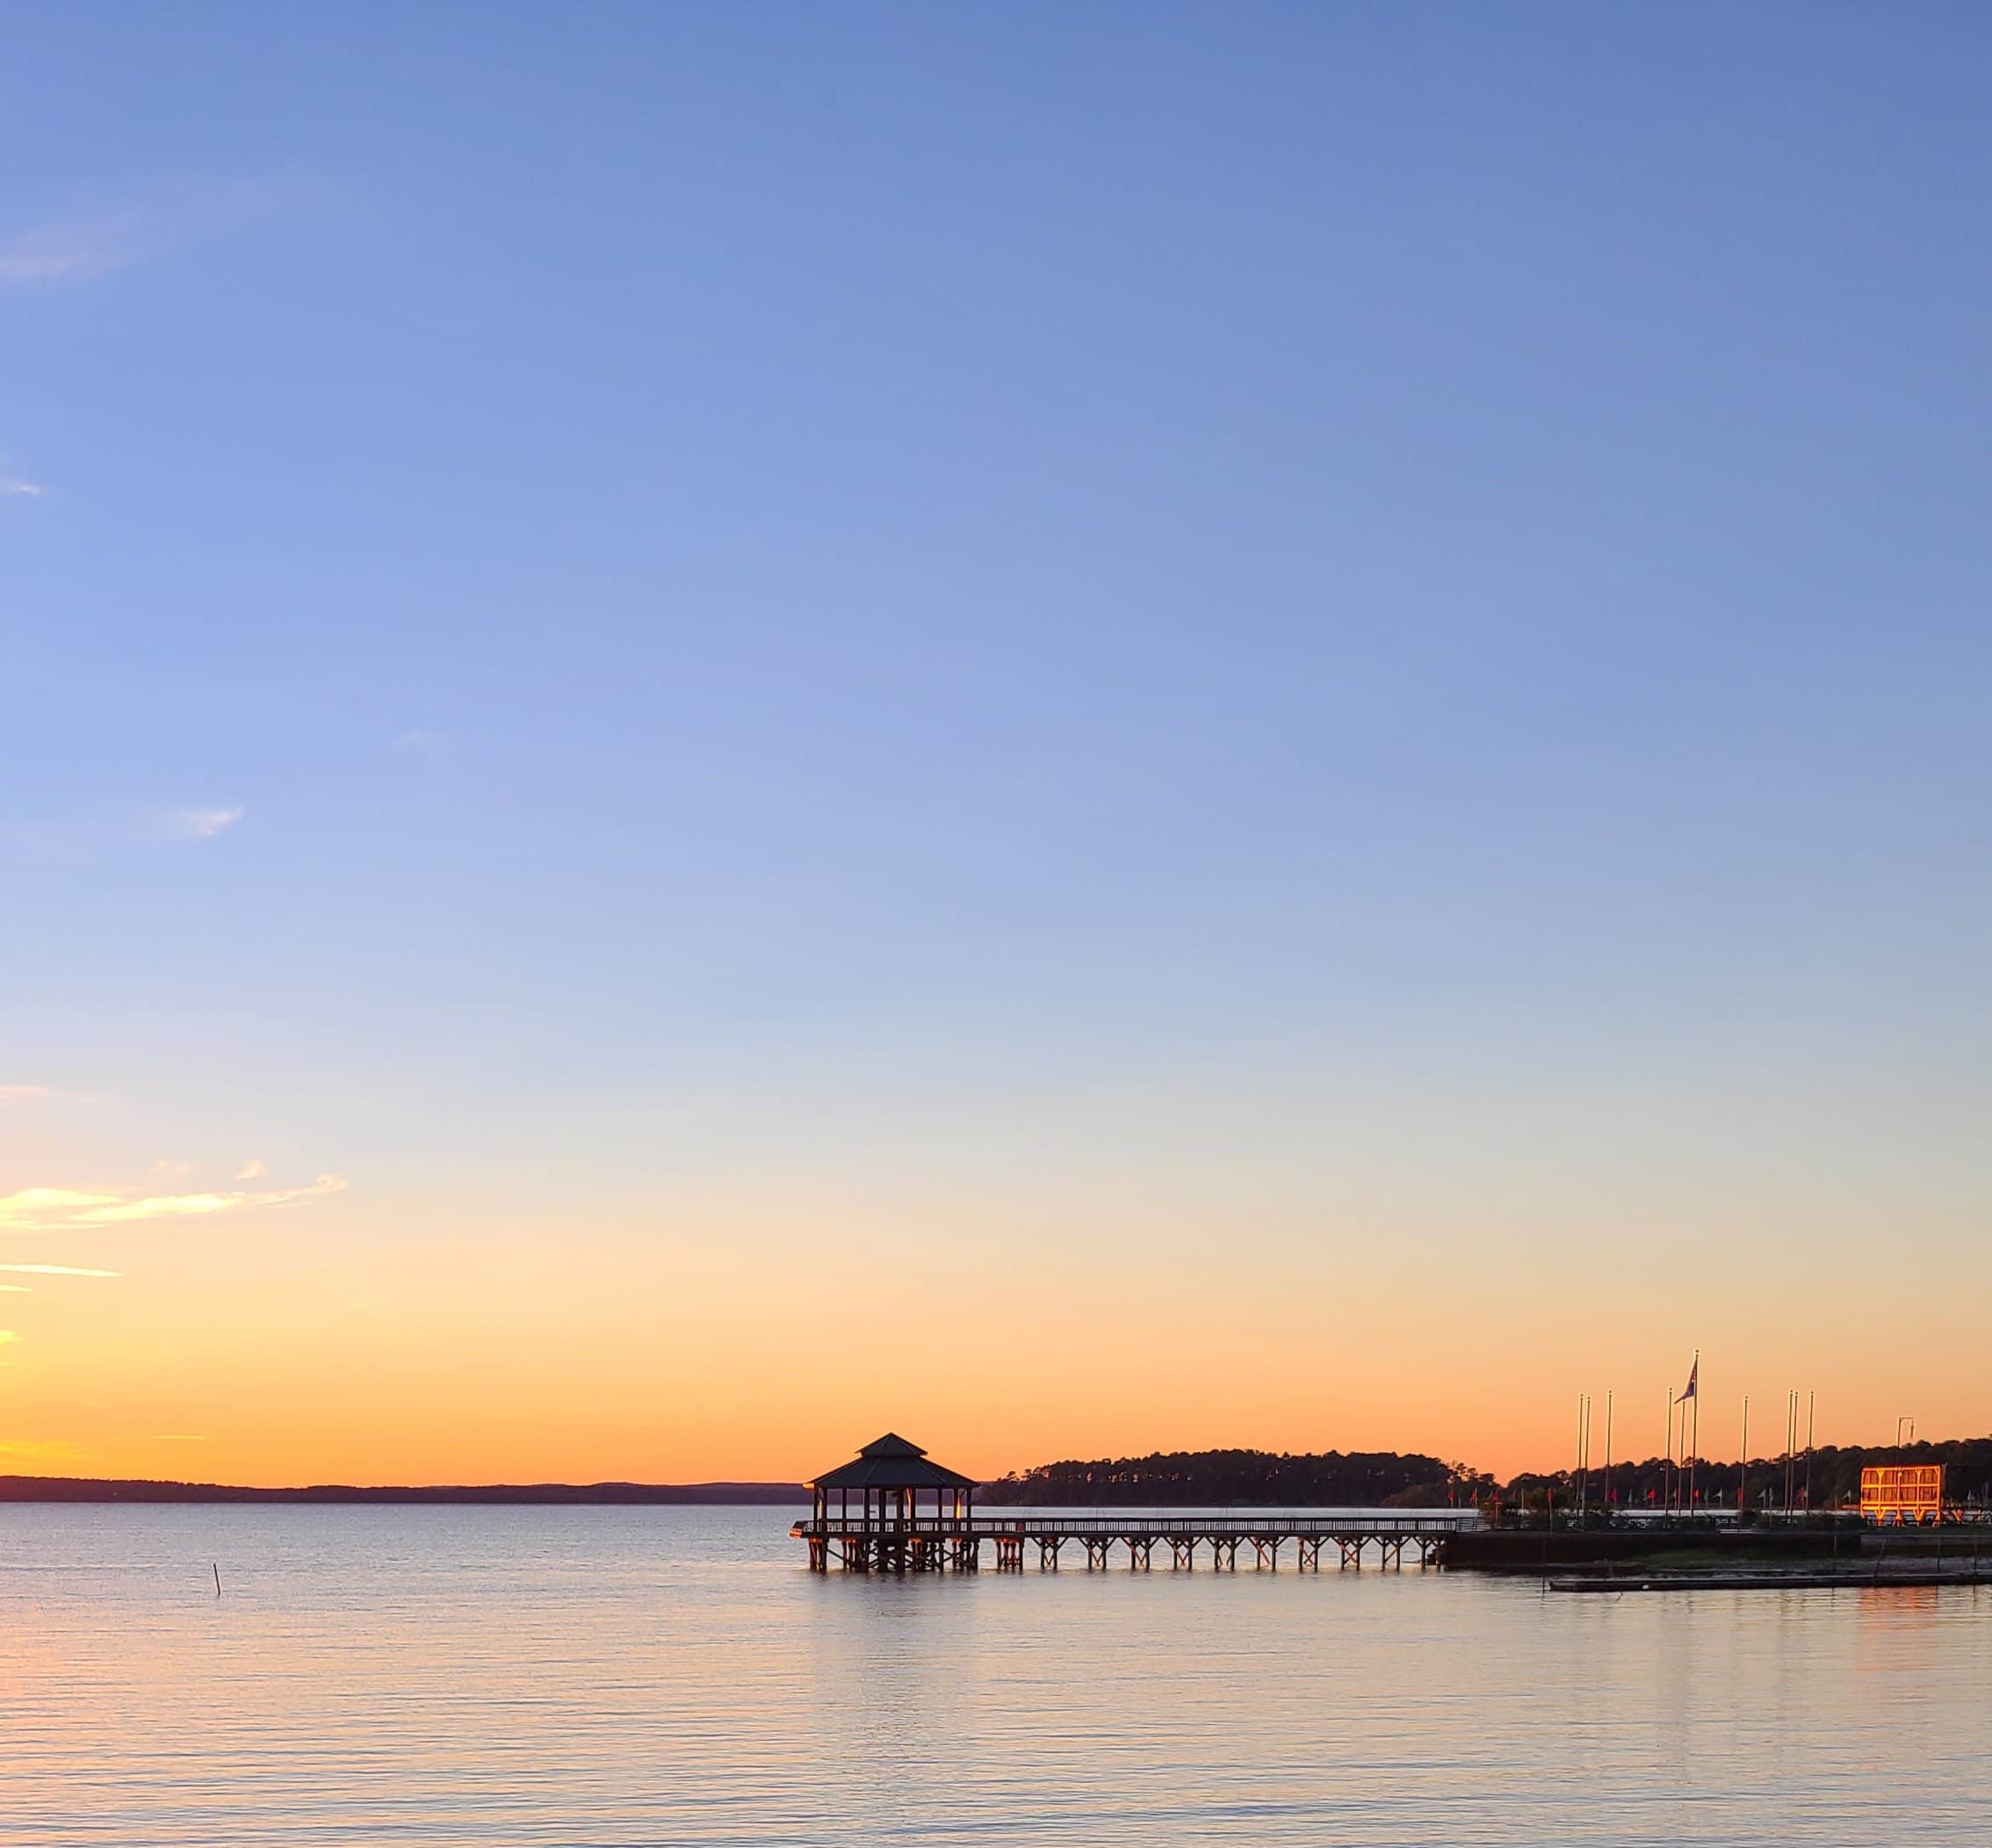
[293, 1351]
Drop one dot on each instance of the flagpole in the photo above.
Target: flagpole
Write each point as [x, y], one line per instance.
[1608, 1450]
[1743, 1467]
[1694, 1375]
[1667, 1468]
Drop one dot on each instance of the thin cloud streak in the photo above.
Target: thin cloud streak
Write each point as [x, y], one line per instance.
[48, 1450]
[52, 1270]
[16, 1093]
[197, 824]
[55, 1209]
[184, 1206]
[83, 245]
[15, 487]
[51, 1200]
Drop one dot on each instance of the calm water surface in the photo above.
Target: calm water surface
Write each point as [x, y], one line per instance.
[581, 1676]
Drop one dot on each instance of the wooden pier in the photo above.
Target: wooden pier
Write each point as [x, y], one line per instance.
[956, 1544]
[887, 1531]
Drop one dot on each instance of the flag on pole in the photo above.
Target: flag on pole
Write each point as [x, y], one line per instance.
[1688, 1393]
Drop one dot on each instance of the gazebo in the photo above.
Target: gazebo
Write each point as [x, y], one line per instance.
[894, 1472]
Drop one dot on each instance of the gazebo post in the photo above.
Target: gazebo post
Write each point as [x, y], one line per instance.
[893, 1532]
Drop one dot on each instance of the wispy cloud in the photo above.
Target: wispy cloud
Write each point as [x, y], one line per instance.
[44, 1450]
[7, 1336]
[193, 1205]
[99, 239]
[54, 1210]
[51, 1200]
[197, 824]
[19, 487]
[253, 1169]
[17, 1093]
[52, 1270]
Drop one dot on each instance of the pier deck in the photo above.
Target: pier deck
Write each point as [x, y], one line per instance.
[951, 1544]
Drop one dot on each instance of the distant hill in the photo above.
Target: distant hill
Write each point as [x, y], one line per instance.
[90, 1489]
[1217, 1478]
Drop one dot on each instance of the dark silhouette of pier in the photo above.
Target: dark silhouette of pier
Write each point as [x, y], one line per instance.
[885, 1544]
[887, 1531]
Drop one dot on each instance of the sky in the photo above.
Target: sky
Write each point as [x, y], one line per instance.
[1073, 729]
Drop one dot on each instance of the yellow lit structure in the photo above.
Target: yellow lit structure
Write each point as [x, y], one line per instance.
[1903, 1493]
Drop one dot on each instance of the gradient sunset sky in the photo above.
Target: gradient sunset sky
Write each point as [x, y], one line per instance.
[1074, 729]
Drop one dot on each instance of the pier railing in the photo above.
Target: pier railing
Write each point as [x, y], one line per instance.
[1244, 1522]
[946, 1543]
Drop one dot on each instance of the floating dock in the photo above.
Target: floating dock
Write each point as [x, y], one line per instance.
[1854, 1578]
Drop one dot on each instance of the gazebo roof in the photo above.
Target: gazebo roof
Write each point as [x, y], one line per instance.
[892, 1463]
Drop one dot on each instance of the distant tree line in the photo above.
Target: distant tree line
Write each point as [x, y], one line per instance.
[93, 1489]
[1831, 1472]
[1189, 1478]
[1829, 1477]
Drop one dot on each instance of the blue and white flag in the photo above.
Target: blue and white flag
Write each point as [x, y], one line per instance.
[1692, 1372]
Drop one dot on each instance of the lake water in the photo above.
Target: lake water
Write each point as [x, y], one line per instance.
[572, 1677]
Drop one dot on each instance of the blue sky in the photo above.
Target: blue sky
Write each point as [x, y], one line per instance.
[1285, 627]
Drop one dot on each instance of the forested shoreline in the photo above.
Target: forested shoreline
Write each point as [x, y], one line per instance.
[1828, 1476]
[1830, 1471]
[1189, 1478]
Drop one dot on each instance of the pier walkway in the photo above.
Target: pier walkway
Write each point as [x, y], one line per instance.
[956, 1543]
